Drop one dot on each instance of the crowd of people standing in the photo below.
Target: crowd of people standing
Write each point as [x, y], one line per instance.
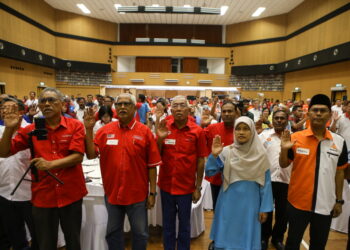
[261, 157]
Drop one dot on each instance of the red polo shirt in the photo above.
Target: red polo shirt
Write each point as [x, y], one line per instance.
[126, 154]
[226, 134]
[68, 136]
[180, 151]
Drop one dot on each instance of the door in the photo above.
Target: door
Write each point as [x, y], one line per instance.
[338, 95]
[296, 96]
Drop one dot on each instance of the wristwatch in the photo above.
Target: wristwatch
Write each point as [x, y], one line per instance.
[153, 194]
[340, 201]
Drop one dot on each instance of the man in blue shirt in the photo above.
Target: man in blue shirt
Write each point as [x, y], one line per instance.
[144, 109]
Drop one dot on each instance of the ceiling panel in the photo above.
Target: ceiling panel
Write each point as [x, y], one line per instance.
[238, 11]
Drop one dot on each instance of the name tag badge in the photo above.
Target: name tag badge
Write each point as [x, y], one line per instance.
[303, 151]
[112, 142]
[170, 142]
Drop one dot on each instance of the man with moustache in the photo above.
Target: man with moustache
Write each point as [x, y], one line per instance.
[62, 153]
[128, 159]
[316, 185]
[182, 145]
[271, 139]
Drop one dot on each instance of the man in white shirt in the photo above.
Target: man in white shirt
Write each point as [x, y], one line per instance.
[341, 125]
[337, 107]
[256, 110]
[271, 139]
[16, 209]
[32, 100]
[80, 111]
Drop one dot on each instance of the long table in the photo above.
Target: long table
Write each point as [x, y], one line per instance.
[94, 221]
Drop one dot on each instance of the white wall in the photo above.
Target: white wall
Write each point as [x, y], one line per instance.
[216, 66]
[126, 64]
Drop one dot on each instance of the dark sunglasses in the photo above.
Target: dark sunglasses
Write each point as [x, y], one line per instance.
[48, 99]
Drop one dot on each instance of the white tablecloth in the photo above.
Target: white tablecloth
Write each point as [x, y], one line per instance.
[341, 223]
[94, 221]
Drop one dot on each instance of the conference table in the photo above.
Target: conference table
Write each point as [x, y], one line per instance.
[94, 219]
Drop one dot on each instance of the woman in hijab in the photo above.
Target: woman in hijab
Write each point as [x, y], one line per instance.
[246, 194]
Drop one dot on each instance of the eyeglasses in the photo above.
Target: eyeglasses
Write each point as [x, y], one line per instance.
[126, 104]
[321, 110]
[48, 99]
[178, 105]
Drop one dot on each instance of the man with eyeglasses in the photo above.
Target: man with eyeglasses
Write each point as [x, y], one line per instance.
[54, 203]
[316, 185]
[182, 145]
[128, 159]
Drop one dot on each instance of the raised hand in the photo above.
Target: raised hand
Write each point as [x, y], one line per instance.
[217, 146]
[162, 130]
[159, 114]
[335, 116]
[12, 118]
[286, 142]
[33, 110]
[89, 118]
[205, 120]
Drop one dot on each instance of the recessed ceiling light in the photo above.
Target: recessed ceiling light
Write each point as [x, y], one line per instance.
[187, 6]
[122, 13]
[117, 5]
[83, 8]
[223, 10]
[155, 5]
[259, 11]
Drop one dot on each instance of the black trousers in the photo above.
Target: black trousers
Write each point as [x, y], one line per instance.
[280, 193]
[215, 189]
[46, 221]
[299, 220]
[4, 242]
[14, 215]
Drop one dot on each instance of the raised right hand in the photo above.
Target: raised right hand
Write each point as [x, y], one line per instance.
[162, 130]
[217, 146]
[89, 118]
[12, 118]
[286, 142]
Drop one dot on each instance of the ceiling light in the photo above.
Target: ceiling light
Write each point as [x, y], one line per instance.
[83, 8]
[155, 9]
[180, 9]
[117, 5]
[187, 6]
[223, 10]
[259, 11]
[155, 5]
[205, 10]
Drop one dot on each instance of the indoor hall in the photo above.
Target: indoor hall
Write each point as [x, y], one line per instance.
[290, 51]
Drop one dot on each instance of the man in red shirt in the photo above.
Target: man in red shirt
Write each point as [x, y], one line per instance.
[183, 147]
[128, 159]
[62, 153]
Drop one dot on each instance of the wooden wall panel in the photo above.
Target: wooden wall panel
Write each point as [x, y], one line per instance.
[323, 36]
[77, 50]
[35, 9]
[210, 33]
[317, 80]
[78, 90]
[309, 11]
[20, 82]
[269, 27]
[16, 31]
[79, 25]
[153, 64]
[259, 54]
[190, 65]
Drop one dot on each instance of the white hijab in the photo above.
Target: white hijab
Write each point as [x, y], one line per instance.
[246, 161]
